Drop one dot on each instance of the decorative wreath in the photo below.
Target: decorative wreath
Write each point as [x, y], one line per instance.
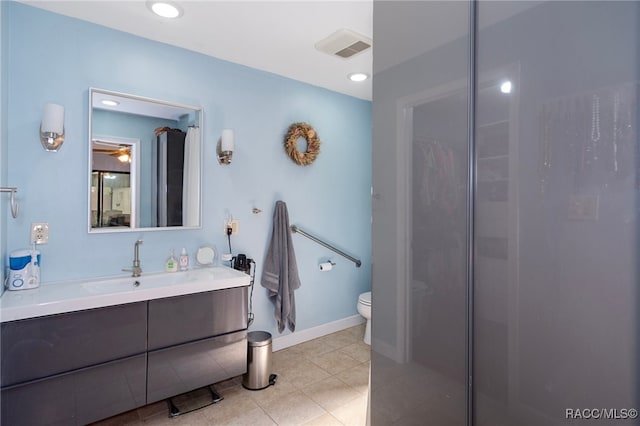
[302, 130]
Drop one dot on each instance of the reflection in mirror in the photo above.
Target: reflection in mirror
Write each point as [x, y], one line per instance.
[144, 165]
[112, 201]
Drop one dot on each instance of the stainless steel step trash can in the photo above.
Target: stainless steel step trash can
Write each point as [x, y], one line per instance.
[258, 375]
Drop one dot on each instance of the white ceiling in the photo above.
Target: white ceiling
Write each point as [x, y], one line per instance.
[279, 36]
[273, 36]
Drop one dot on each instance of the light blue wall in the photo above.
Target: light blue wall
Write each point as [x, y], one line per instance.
[3, 137]
[330, 198]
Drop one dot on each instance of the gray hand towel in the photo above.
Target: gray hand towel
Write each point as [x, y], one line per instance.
[280, 272]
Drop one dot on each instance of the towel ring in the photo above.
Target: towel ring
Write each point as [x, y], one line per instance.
[12, 200]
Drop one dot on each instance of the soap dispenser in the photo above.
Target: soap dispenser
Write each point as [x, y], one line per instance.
[184, 260]
[172, 263]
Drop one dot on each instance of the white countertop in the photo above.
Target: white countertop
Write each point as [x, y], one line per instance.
[69, 296]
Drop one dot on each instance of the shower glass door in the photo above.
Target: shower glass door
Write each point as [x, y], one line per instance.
[555, 305]
[518, 267]
[420, 210]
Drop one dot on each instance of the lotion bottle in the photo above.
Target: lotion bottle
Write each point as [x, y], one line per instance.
[184, 260]
[172, 263]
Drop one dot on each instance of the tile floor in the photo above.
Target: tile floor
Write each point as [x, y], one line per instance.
[321, 382]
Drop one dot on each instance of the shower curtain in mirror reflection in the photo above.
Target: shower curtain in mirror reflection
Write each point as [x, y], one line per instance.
[191, 178]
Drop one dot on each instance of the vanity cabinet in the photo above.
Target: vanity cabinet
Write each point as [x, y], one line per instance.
[196, 340]
[74, 368]
[190, 366]
[79, 367]
[182, 319]
[79, 397]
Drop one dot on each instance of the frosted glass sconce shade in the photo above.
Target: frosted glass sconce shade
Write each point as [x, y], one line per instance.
[226, 146]
[52, 127]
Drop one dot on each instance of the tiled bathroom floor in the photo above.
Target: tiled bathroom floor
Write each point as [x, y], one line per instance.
[321, 382]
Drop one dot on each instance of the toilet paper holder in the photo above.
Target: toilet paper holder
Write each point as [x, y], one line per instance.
[327, 266]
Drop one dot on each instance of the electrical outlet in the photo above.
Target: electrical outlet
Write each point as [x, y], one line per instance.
[39, 233]
[233, 224]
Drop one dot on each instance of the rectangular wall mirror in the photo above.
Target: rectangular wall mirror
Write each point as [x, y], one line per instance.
[144, 163]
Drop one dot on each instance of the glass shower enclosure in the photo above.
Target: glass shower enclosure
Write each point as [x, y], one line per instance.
[505, 211]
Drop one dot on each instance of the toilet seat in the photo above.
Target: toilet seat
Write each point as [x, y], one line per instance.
[365, 298]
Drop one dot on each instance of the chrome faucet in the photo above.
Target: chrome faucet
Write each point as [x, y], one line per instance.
[136, 270]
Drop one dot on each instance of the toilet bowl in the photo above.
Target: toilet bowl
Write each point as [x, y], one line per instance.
[364, 309]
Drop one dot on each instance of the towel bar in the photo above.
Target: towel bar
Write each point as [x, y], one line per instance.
[294, 229]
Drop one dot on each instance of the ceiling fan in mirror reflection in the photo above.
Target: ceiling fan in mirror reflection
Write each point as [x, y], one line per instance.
[122, 153]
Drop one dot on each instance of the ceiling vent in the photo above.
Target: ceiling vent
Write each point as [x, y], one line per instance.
[344, 44]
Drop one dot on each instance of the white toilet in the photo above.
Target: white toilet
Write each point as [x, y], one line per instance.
[364, 309]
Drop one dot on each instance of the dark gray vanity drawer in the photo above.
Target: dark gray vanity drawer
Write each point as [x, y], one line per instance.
[77, 398]
[182, 319]
[183, 368]
[41, 347]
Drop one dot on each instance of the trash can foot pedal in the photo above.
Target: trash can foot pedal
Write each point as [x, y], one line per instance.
[272, 379]
[192, 401]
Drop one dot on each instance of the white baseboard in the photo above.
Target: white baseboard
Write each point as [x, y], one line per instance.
[305, 335]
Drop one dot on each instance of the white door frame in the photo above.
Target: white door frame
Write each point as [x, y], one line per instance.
[404, 209]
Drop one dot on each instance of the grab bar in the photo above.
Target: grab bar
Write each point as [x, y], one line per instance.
[294, 229]
[14, 204]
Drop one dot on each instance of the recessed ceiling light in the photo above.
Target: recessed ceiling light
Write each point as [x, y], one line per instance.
[109, 102]
[358, 76]
[166, 9]
[506, 87]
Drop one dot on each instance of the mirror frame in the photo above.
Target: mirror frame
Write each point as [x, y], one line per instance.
[199, 111]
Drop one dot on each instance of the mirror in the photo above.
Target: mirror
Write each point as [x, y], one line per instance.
[144, 163]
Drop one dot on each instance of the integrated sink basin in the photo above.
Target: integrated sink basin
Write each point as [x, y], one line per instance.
[55, 298]
[115, 285]
[145, 282]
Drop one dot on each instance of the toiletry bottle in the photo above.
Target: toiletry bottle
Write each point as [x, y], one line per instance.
[172, 263]
[184, 260]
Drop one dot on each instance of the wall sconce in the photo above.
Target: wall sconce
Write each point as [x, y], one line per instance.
[225, 147]
[52, 127]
